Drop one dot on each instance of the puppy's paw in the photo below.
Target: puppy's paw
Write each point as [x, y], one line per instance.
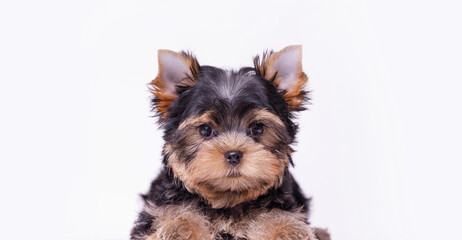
[177, 222]
[180, 229]
[321, 234]
[152, 237]
[280, 225]
[292, 231]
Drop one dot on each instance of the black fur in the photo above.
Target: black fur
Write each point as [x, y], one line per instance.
[211, 93]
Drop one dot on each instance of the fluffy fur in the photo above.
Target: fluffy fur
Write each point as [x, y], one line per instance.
[207, 112]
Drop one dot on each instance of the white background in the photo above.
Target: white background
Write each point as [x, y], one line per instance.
[379, 150]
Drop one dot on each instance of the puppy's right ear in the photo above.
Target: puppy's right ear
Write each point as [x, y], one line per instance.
[175, 69]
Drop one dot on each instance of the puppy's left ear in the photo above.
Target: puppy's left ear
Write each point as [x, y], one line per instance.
[175, 70]
[284, 69]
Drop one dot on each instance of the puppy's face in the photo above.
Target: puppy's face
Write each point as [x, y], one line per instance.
[228, 133]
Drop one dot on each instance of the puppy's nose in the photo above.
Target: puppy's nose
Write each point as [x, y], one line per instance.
[233, 157]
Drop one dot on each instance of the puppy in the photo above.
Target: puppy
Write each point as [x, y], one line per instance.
[227, 151]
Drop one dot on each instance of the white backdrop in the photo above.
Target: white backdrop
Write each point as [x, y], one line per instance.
[379, 150]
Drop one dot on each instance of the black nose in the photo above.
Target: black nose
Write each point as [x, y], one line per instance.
[233, 157]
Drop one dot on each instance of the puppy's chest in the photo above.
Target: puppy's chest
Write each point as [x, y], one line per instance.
[232, 224]
[187, 221]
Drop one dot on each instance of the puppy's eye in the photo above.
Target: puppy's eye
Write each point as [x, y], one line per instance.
[205, 130]
[256, 129]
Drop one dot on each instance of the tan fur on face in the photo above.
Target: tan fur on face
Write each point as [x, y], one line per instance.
[196, 121]
[212, 177]
[223, 185]
[265, 115]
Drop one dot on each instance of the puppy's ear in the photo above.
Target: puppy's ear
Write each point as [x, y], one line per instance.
[284, 69]
[175, 70]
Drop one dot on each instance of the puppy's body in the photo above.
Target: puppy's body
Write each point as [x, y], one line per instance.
[227, 151]
[169, 199]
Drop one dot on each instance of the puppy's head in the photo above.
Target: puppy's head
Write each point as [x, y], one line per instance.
[228, 133]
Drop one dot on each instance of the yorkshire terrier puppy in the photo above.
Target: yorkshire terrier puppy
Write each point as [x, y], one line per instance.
[227, 151]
